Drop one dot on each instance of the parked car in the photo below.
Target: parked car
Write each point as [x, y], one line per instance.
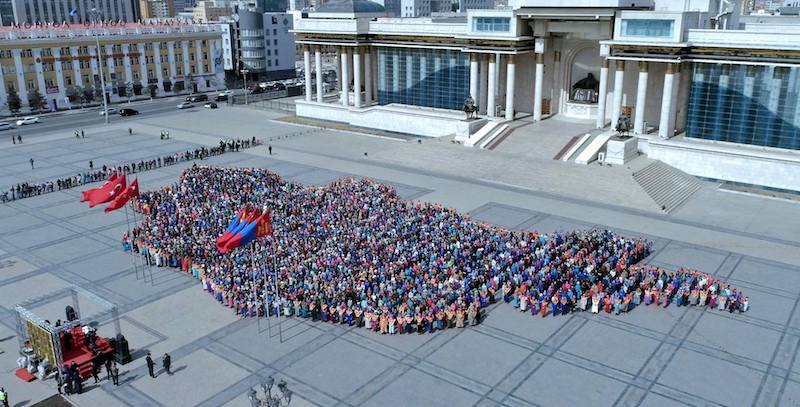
[210, 105]
[111, 110]
[6, 126]
[197, 98]
[27, 120]
[221, 98]
[128, 112]
[185, 105]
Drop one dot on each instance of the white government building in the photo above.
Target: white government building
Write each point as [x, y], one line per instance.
[706, 89]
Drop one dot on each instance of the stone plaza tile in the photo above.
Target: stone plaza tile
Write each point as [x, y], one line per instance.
[624, 350]
[70, 208]
[791, 394]
[767, 274]
[140, 337]
[102, 265]
[47, 200]
[535, 328]
[678, 254]
[416, 388]
[552, 224]
[195, 378]
[322, 368]
[18, 221]
[40, 235]
[402, 343]
[655, 400]
[95, 218]
[775, 307]
[711, 378]
[165, 281]
[734, 336]
[66, 250]
[243, 401]
[497, 358]
[53, 309]
[507, 217]
[657, 319]
[285, 168]
[259, 345]
[559, 384]
[22, 290]
[317, 177]
[14, 266]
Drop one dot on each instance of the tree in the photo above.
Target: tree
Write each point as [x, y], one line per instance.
[14, 103]
[87, 96]
[74, 94]
[36, 101]
[153, 89]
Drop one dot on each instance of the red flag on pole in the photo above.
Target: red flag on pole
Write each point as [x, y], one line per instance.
[87, 195]
[264, 227]
[131, 191]
[108, 192]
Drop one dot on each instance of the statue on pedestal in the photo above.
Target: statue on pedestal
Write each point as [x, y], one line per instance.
[623, 125]
[470, 108]
[585, 90]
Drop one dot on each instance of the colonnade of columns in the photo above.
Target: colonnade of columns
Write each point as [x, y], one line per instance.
[355, 65]
[483, 82]
[667, 115]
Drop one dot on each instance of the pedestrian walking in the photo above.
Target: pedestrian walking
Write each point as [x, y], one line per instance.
[19, 139]
[130, 131]
[82, 134]
[108, 368]
[167, 362]
[4, 396]
[270, 149]
[96, 370]
[13, 140]
[91, 165]
[31, 160]
[150, 365]
[77, 135]
[115, 374]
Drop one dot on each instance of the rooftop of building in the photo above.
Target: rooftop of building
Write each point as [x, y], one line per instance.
[44, 31]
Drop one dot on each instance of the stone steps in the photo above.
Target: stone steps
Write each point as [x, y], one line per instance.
[666, 185]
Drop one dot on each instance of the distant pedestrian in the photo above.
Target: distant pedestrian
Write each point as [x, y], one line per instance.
[130, 131]
[108, 368]
[96, 370]
[19, 139]
[115, 374]
[167, 362]
[91, 165]
[150, 365]
[4, 397]
[82, 134]
[270, 150]
[31, 161]
[13, 140]
[77, 135]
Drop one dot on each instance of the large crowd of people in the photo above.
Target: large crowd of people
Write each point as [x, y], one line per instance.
[28, 189]
[354, 253]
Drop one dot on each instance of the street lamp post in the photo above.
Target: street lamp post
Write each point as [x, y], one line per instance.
[95, 17]
[244, 83]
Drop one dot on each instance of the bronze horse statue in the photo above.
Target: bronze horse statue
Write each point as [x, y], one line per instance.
[470, 108]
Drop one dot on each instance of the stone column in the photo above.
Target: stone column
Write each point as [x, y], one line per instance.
[62, 88]
[198, 56]
[666, 122]
[76, 66]
[173, 71]
[641, 99]
[537, 90]
[619, 78]
[187, 69]
[143, 77]
[357, 77]
[159, 71]
[558, 80]
[22, 89]
[484, 82]
[307, 71]
[602, 95]
[345, 77]
[318, 65]
[127, 61]
[368, 76]
[37, 56]
[510, 73]
[490, 94]
[349, 67]
[473, 77]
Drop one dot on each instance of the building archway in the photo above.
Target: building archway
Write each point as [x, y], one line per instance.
[580, 58]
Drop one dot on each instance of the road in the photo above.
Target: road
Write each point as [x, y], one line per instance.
[71, 121]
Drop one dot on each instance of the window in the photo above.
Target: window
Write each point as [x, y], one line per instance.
[30, 84]
[491, 24]
[423, 77]
[274, 42]
[149, 73]
[179, 71]
[68, 80]
[647, 28]
[274, 31]
[10, 86]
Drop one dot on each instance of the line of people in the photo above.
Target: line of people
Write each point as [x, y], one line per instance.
[30, 189]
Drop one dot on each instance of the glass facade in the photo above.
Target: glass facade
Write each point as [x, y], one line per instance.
[491, 24]
[746, 104]
[647, 27]
[423, 77]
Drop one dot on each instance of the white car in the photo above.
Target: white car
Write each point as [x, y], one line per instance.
[6, 126]
[185, 105]
[27, 120]
[111, 110]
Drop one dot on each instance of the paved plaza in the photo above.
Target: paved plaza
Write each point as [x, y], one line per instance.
[648, 357]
